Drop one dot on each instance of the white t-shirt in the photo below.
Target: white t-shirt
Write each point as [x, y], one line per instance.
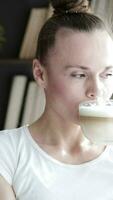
[35, 175]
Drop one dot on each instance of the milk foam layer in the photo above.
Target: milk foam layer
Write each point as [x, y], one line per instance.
[93, 109]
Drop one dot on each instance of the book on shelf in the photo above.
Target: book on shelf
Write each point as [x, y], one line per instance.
[34, 103]
[39, 104]
[35, 23]
[15, 101]
[28, 104]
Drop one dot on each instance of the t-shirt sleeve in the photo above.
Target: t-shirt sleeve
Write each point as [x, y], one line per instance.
[7, 156]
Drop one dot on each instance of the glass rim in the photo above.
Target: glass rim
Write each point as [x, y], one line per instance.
[92, 102]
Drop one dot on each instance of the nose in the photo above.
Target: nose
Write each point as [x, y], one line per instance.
[94, 89]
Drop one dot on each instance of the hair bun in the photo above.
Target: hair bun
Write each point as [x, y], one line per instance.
[70, 6]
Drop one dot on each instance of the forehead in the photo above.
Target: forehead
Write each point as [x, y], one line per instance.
[83, 48]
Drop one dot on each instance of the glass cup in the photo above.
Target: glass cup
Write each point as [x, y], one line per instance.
[96, 121]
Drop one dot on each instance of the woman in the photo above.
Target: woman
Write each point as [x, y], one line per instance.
[51, 158]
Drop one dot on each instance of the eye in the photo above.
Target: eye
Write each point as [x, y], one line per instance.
[80, 75]
[107, 75]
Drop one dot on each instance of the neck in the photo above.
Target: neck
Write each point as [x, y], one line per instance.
[63, 140]
[56, 130]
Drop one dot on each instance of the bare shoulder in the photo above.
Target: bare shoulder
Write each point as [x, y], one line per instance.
[6, 191]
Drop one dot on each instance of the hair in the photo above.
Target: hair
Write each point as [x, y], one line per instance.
[70, 14]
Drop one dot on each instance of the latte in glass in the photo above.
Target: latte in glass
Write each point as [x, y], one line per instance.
[96, 120]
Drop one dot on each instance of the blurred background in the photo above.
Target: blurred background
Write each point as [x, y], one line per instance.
[14, 16]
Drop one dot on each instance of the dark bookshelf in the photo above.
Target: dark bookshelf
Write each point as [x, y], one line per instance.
[8, 69]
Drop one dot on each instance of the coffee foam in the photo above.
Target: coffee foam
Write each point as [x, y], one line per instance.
[93, 109]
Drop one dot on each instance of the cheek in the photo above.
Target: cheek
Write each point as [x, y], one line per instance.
[58, 88]
[64, 97]
[108, 89]
[67, 94]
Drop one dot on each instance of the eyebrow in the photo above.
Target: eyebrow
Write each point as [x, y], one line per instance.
[109, 67]
[84, 67]
[76, 66]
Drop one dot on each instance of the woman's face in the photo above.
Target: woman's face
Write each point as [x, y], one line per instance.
[80, 67]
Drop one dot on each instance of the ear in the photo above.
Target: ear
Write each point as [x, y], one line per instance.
[39, 73]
